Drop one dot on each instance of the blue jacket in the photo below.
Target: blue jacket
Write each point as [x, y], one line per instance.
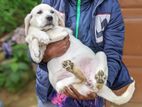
[101, 28]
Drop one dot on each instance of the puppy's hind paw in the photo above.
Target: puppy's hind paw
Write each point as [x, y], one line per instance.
[68, 65]
[100, 78]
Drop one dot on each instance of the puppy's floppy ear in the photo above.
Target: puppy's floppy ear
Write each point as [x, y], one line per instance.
[27, 23]
[61, 17]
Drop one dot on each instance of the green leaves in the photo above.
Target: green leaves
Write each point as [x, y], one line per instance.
[2, 80]
[16, 72]
[12, 13]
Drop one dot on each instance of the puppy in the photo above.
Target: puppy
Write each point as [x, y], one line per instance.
[79, 66]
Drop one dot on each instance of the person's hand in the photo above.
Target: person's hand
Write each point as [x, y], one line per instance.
[72, 92]
[56, 49]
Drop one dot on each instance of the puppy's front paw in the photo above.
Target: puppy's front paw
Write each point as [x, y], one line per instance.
[36, 56]
[100, 79]
[68, 65]
[35, 59]
[36, 53]
[45, 40]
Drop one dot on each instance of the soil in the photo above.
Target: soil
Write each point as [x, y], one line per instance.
[25, 98]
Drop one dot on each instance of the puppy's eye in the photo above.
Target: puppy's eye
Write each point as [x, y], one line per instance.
[39, 12]
[52, 11]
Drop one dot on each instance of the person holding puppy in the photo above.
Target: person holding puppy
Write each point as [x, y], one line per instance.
[82, 17]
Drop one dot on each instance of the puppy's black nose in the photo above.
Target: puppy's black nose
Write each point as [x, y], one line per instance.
[49, 18]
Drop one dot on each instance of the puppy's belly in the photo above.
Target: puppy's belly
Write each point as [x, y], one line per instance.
[82, 58]
[62, 76]
[84, 64]
[59, 75]
[65, 79]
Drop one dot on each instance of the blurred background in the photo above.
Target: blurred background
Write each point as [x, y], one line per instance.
[132, 12]
[17, 73]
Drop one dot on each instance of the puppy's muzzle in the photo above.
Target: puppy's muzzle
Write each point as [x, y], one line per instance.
[49, 18]
[49, 21]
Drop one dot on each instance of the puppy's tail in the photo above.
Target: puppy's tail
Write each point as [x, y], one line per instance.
[109, 95]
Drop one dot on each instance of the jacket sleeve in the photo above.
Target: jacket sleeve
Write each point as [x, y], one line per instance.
[113, 46]
[49, 2]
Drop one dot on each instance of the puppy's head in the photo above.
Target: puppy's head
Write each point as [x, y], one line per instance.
[43, 17]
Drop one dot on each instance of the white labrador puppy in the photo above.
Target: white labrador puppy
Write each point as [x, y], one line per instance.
[79, 66]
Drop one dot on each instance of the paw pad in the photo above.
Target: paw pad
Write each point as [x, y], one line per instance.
[68, 65]
[100, 77]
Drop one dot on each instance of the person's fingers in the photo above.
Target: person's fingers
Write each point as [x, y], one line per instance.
[74, 90]
[66, 92]
[57, 48]
[60, 43]
[70, 93]
[64, 40]
[66, 46]
[79, 96]
[92, 95]
[67, 37]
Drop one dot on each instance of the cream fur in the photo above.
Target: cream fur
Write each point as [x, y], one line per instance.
[38, 36]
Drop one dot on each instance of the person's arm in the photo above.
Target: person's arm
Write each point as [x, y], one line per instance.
[113, 44]
[56, 49]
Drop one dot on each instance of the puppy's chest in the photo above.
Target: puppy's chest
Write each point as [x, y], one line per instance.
[57, 32]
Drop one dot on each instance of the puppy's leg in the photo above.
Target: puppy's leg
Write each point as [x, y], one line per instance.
[35, 47]
[44, 38]
[35, 51]
[42, 50]
[57, 34]
[69, 66]
[100, 79]
[99, 65]
[60, 85]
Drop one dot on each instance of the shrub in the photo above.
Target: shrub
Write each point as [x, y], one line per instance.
[12, 13]
[16, 72]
